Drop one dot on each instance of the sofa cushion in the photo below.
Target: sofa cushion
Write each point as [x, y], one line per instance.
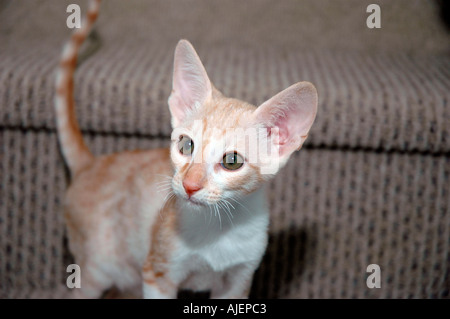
[377, 102]
[333, 213]
[391, 101]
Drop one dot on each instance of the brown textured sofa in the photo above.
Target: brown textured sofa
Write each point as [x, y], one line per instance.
[371, 185]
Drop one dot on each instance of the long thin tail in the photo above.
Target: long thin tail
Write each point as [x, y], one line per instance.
[74, 149]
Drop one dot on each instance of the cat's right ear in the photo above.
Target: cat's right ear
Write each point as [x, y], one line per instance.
[191, 86]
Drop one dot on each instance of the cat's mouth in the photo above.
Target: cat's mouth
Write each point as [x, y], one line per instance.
[195, 202]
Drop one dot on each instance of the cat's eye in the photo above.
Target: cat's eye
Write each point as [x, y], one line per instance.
[185, 145]
[232, 161]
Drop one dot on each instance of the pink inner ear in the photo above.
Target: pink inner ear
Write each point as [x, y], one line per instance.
[178, 107]
[283, 133]
[292, 111]
[190, 81]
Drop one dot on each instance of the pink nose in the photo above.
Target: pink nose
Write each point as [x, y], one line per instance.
[191, 187]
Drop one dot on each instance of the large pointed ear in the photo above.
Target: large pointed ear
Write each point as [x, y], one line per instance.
[191, 86]
[288, 116]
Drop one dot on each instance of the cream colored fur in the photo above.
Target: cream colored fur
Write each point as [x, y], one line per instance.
[134, 223]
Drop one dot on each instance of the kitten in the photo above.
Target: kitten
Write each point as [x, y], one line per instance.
[193, 216]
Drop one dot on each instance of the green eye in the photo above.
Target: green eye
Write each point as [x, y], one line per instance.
[185, 145]
[232, 161]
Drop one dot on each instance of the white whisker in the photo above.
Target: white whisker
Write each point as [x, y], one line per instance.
[228, 203]
[162, 189]
[218, 213]
[166, 200]
[241, 205]
[166, 176]
[210, 215]
[163, 183]
[227, 207]
[227, 211]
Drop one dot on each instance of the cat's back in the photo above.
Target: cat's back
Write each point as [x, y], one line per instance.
[123, 169]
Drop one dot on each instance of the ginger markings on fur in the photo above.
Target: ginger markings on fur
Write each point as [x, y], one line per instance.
[153, 222]
[75, 151]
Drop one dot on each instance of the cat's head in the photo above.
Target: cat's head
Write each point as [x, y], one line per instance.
[224, 148]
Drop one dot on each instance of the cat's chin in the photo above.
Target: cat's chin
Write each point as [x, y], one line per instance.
[194, 203]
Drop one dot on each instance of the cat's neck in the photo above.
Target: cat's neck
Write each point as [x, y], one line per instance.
[199, 225]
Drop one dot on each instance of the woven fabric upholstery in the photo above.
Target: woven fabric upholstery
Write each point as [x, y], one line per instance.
[371, 184]
[333, 212]
[377, 102]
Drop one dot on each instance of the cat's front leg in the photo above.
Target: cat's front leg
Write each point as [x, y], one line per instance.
[159, 275]
[235, 284]
[158, 291]
[158, 284]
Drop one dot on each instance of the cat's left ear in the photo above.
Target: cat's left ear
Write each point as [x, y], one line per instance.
[191, 86]
[291, 114]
